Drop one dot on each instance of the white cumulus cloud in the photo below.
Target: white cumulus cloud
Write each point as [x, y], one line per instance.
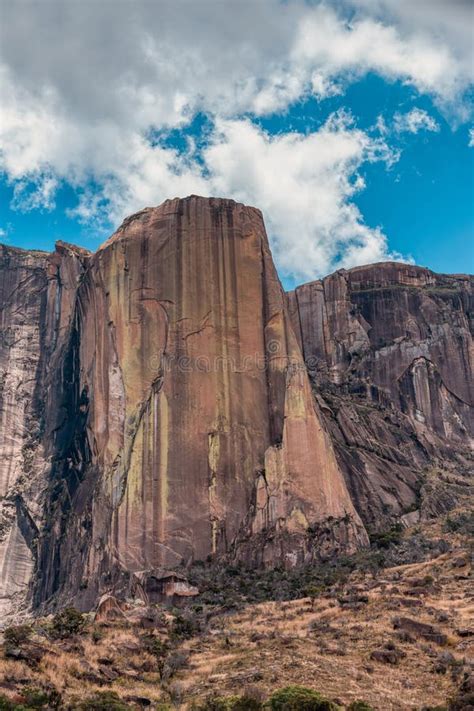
[304, 184]
[83, 85]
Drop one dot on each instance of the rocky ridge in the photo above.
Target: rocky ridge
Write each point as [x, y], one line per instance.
[389, 352]
[163, 401]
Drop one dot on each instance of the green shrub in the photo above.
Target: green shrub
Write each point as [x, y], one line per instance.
[97, 635]
[34, 700]
[299, 698]
[18, 635]
[215, 703]
[185, 626]
[156, 647]
[67, 623]
[245, 702]
[7, 705]
[385, 539]
[360, 706]
[313, 591]
[41, 698]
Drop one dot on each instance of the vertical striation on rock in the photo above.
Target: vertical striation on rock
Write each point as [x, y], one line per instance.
[199, 430]
[23, 286]
[37, 297]
[389, 350]
[162, 401]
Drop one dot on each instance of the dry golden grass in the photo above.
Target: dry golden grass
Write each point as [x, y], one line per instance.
[328, 647]
[325, 646]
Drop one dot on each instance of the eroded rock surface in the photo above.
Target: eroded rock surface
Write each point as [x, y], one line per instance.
[37, 299]
[163, 401]
[389, 351]
[189, 424]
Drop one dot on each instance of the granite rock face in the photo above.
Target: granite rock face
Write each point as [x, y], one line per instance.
[23, 288]
[389, 351]
[162, 401]
[37, 297]
[177, 419]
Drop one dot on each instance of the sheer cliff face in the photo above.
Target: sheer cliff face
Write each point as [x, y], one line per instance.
[156, 407]
[389, 350]
[189, 425]
[37, 294]
[23, 287]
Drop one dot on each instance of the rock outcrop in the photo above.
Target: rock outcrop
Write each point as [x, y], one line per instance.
[23, 287]
[389, 351]
[37, 298]
[162, 401]
[177, 419]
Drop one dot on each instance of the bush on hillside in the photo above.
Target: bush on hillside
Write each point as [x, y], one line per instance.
[243, 702]
[67, 623]
[16, 636]
[186, 625]
[33, 699]
[385, 539]
[299, 698]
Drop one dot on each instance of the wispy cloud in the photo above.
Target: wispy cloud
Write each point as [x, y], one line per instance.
[414, 121]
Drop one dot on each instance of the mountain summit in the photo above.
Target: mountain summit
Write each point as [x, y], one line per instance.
[163, 402]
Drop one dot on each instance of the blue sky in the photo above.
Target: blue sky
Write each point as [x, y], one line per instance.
[352, 157]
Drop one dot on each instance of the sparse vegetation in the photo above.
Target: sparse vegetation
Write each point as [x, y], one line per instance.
[313, 628]
[231, 586]
[102, 701]
[462, 522]
[17, 636]
[33, 698]
[157, 648]
[299, 698]
[385, 539]
[244, 702]
[66, 623]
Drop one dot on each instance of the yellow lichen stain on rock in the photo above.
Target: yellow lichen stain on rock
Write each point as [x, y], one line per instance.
[297, 521]
[275, 469]
[213, 451]
[296, 405]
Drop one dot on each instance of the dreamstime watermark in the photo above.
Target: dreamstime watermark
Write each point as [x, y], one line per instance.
[273, 357]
